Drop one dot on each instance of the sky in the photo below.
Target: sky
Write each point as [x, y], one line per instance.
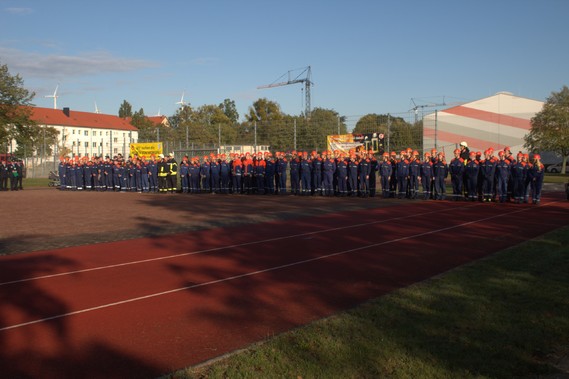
[365, 56]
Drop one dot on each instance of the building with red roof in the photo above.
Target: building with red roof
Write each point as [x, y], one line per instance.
[88, 134]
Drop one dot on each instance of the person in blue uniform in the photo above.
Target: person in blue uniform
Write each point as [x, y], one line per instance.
[306, 174]
[518, 173]
[215, 171]
[328, 170]
[185, 175]
[152, 174]
[316, 173]
[61, 170]
[414, 174]
[502, 177]
[363, 174]
[471, 174]
[295, 173]
[487, 173]
[260, 170]
[402, 172]
[237, 175]
[224, 173]
[536, 174]
[440, 171]
[270, 169]
[342, 175]
[456, 170]
[373, 169]
[427, 176]
[205, 175]
[144, 175]
[385, 170]
[353, 168]
[393, 178]
[282, 165]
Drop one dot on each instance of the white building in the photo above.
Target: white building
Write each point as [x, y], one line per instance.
[496, 121]
[88, 134]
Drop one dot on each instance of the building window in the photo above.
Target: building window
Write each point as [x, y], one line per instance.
[115, 140]
[72, 131]
[107, 133]
[115, 150]
[73, 143]
[86, 144]
[86, 132]
[94, 144]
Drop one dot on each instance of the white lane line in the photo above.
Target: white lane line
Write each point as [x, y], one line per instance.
[255, 272]
[225, 247]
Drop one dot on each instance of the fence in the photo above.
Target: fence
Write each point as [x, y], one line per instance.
[401, 130]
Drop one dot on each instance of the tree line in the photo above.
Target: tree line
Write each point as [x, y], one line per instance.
[264, 124]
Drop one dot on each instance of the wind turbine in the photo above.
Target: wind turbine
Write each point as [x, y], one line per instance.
[182, 103]
[97, 111]
[54, 97]
[159, 114]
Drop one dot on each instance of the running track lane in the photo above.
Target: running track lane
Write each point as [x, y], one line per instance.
[144, 307]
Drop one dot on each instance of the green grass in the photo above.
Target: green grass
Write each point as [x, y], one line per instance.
[502, 317]
[556, 178]
[35, 182]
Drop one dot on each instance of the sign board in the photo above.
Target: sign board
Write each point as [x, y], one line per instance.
[345, 142]
[146, 149]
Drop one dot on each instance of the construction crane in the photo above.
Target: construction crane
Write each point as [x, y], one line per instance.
[416, 107]
[303, 77]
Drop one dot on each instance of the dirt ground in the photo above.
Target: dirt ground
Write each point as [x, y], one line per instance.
[45, 218]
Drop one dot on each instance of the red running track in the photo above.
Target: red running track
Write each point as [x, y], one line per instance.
[145, 307]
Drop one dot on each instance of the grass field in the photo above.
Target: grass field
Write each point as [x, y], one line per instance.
[505, 316]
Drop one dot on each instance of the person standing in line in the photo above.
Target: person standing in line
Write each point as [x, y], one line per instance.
[536, 174]
[427, 176]
[440, 171]
[385, 170]
[502, 177]
[456, 169]
[471, 173]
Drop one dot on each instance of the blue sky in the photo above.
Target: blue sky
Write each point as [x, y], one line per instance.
[366, 56]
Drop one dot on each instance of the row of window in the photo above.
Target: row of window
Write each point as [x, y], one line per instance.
[86, 133]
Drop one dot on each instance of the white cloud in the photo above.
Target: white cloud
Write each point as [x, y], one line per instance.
[38, 65]
[20, 11]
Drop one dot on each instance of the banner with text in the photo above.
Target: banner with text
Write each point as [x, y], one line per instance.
[146, 149]
[345, 142]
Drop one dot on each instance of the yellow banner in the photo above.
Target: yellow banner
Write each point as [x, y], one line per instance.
[146, 149]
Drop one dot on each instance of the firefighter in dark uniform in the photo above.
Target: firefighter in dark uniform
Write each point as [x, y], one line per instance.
[162, 174]
[172, 174]
[3, 176]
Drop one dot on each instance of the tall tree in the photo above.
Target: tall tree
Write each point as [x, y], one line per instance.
[228, 107]
[146, 129]
[125, 109]
[15, 104]
[550, 127]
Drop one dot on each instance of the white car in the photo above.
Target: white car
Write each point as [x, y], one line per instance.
[556, 168]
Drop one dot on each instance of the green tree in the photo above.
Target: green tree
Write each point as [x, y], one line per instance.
[550, 127]
[147, 130]
[125, 109]
[230, 110]
[373, 123]
[15, 105]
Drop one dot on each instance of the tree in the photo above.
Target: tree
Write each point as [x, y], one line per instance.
[146, 129]
[228, 107]
[550, 127]
[15, 104]
[125, 109]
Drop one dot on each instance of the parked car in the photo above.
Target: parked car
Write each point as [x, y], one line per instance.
[556, 168]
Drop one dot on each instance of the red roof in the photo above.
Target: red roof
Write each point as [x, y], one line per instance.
[49, 116]
[157, 120]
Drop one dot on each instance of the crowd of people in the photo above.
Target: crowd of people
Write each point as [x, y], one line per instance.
[474, 176]
[11, 175]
